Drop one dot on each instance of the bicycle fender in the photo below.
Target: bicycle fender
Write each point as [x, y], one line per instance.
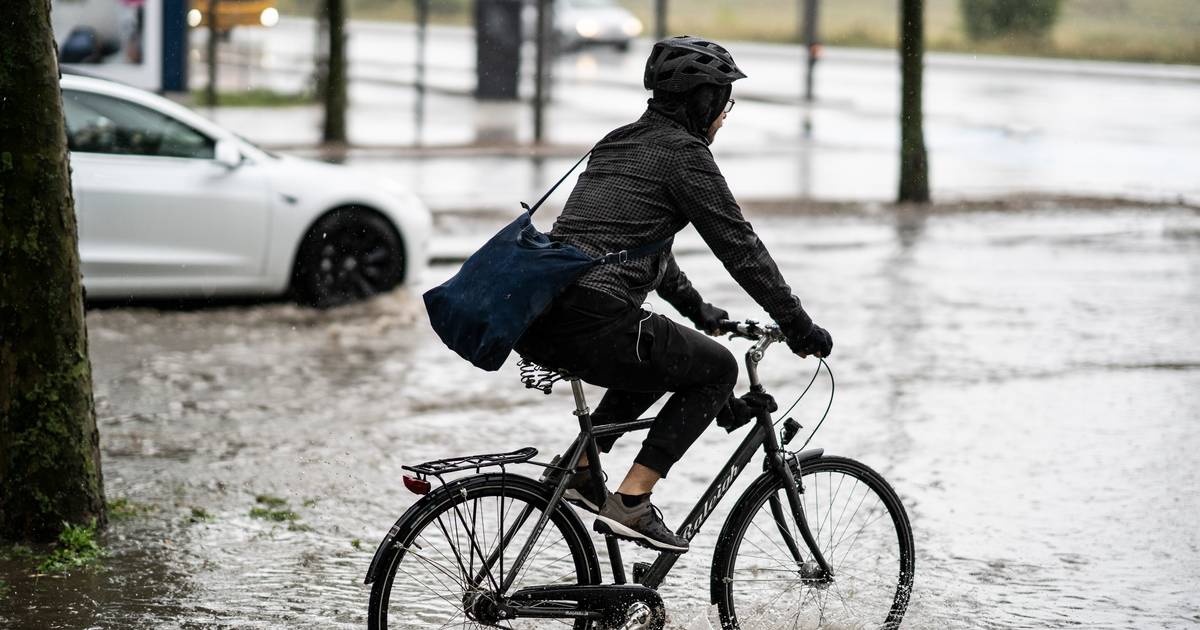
[387, 548]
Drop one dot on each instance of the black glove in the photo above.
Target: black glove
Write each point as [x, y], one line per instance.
[805, 338]
[739, 411]
[709, 318]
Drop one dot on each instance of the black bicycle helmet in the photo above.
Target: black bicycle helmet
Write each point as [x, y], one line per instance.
[678, 64]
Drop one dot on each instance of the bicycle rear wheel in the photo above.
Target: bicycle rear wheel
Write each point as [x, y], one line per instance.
[862, 531]
[449, 560]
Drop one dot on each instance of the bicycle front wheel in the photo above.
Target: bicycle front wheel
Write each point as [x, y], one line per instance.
[763, 572]
[448, 564]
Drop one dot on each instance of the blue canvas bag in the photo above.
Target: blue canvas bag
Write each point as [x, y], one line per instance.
[483, 310]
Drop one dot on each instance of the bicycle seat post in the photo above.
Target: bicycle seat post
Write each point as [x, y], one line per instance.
[581, 408]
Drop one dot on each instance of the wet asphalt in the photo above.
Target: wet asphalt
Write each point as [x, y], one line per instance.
[1027, 379]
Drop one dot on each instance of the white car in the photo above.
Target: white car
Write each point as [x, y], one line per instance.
[579, 23]
[172, 205]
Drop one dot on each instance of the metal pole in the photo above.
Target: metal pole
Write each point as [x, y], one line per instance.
[419, 106]
[539, 80]
[210, 95]
[660, 19]
[812, 45]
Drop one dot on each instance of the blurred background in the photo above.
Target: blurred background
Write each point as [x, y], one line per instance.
[1019, 357]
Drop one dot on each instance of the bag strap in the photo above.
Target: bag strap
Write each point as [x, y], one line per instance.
[610, 258]
[627, 255]
[555, 186]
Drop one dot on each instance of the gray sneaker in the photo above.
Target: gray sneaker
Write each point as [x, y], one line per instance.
[581, 492]
[641, 524]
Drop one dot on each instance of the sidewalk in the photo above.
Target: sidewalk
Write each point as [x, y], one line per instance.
[994, 126]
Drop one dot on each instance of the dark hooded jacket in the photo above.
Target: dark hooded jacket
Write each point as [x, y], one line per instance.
[646, 181]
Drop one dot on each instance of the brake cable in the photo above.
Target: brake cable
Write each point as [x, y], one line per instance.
[783, 416]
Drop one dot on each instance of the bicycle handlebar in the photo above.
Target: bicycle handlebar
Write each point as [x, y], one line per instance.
[750, 329]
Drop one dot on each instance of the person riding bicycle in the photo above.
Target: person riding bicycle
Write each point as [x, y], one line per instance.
[644, 182]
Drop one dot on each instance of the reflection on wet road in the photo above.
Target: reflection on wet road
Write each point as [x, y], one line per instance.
[1028, 381]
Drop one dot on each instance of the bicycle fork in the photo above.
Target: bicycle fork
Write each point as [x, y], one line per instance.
[778, 460]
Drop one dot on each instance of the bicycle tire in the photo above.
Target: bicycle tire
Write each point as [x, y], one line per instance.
[433, 556]
[754, 579]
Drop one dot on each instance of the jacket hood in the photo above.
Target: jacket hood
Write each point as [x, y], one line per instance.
[695, 109]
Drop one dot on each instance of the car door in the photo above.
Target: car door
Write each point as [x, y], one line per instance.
[157, 213]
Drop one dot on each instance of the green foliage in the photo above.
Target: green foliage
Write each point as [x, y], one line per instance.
[76, 547]
[276, 509]
[199, 515]
[258, 97]
[356, 543]
[991, 19]
[16, 552]
[270, 501]
[268, 514]
[121, 509]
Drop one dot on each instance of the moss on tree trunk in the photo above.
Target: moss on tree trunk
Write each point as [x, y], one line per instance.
[49, 445]
[914, 164]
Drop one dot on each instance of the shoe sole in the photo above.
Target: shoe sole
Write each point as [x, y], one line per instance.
[609, 527]
[574, 496]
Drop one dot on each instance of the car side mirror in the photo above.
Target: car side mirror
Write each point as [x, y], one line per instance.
[228, 155]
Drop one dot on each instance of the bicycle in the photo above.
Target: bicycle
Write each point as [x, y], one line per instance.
[496, 549]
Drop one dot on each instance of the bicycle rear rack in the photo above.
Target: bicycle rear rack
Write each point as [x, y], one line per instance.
[439, 467]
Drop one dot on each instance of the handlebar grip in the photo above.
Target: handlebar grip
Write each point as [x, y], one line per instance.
[728, 326]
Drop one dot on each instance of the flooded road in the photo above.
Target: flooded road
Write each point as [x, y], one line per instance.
[1029, 381]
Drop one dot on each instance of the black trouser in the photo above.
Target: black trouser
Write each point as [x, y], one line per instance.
[638, 356]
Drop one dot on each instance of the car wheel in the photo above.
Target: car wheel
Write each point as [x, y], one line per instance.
[348, 255]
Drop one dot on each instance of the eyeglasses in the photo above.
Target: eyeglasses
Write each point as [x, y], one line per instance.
[729, 105]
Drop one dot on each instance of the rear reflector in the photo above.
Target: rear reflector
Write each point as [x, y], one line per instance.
[416, 486]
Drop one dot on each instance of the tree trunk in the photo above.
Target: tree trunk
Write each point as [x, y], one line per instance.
[334, 92]
[49, 445]
[914, 164]
[210, 55]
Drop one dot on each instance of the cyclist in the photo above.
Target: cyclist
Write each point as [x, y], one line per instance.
[644, 182]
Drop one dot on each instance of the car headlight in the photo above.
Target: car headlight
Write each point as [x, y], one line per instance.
[587, 29]
[194, 18]
[269, 17]
[632, 27]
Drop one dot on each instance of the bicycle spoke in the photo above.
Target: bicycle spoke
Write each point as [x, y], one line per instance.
[846, 518]
[460, 585]
[439, 578]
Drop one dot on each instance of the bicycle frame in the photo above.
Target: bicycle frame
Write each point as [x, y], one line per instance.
[762, 435]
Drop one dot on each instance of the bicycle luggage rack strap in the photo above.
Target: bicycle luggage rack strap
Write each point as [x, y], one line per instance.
[472, 462]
